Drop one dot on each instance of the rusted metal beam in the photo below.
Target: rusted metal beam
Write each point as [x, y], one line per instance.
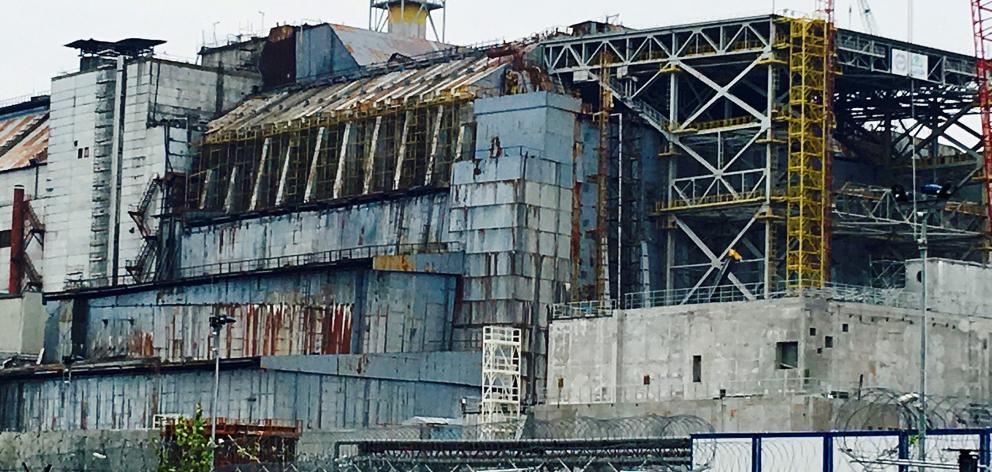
[16, 242]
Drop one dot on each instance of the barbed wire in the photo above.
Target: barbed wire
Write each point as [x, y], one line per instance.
[884, 410]
[319, 452]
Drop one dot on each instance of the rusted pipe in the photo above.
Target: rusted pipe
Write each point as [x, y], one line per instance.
[16, 240]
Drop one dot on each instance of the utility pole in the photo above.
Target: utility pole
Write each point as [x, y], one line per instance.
[216, 323]
[924, 250]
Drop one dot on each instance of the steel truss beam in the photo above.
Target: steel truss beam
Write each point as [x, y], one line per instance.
[857, 53]
[716, 259]
[717, 123]
[719, 95]
[875, 212]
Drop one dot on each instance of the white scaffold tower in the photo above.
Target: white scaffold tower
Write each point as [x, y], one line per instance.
[500, 408]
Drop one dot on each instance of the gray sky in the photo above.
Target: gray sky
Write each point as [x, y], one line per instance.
[34, 32]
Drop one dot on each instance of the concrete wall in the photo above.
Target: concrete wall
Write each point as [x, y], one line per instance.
[329, 392]
[953, 286]
[22, 325]
[164, 105]
[775, 412]
[647, 355]
[119, 450]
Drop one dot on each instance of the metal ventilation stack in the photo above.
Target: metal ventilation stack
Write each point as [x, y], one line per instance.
[407, 18]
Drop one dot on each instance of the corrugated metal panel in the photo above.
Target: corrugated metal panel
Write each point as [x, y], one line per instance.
[287, 393]
[461, 76]
[260, 329]
[23, 139]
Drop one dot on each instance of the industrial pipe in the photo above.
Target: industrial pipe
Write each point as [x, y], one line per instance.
[16, 241]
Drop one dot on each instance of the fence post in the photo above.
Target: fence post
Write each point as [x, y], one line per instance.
[903, 450]
[756, 454]
[983, 448]
[828, 452]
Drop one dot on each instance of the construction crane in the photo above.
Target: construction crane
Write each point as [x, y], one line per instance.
[868, 17]
[981, 16]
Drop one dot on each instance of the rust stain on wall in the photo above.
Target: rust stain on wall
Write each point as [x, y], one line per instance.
[259, 330]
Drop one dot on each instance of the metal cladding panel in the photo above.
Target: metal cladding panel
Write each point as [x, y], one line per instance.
[408, 312]
[406, 221]
[469, 74]
[446, 263]
[371, 47]
[25, 139]
[318, 401]
[299, 314]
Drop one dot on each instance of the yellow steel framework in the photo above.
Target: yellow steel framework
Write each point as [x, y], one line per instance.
[809, 131]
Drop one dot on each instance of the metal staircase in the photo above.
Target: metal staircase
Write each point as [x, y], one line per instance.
[138, 268]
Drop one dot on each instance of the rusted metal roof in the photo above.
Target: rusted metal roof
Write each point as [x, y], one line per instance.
[23, 140]
[465, 77]
[371, 47]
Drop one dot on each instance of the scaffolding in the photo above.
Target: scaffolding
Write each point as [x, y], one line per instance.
[501, 369]
[808, 136]
[982, 18]
[744, 112]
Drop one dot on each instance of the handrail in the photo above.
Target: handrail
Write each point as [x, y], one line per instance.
[247, 266]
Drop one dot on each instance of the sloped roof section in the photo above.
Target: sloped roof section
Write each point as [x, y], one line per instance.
[23, 140]
[467, 77]
[371, 47]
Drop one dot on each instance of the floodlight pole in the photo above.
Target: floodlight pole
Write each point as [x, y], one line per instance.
[924, 249]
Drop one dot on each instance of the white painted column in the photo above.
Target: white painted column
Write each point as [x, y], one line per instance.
[259, 175]
[229, 199]
[401, 155]
[435, 137]
[311, 191]
[370, 160]
[283, 175]
[339, 178]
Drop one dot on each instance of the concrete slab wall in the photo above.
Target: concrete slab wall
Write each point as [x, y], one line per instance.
[165, 104]
[80, 450]
[953, 286]
[330, 392]
[80, 118]
[648, 355]
[22, 320]
[786, 413]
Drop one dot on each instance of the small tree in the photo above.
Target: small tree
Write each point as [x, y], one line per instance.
[195, 452]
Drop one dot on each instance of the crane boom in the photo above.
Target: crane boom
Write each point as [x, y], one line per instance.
[981, 14]
[868, 17]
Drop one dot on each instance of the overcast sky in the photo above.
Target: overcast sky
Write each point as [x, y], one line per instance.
[34, 32]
